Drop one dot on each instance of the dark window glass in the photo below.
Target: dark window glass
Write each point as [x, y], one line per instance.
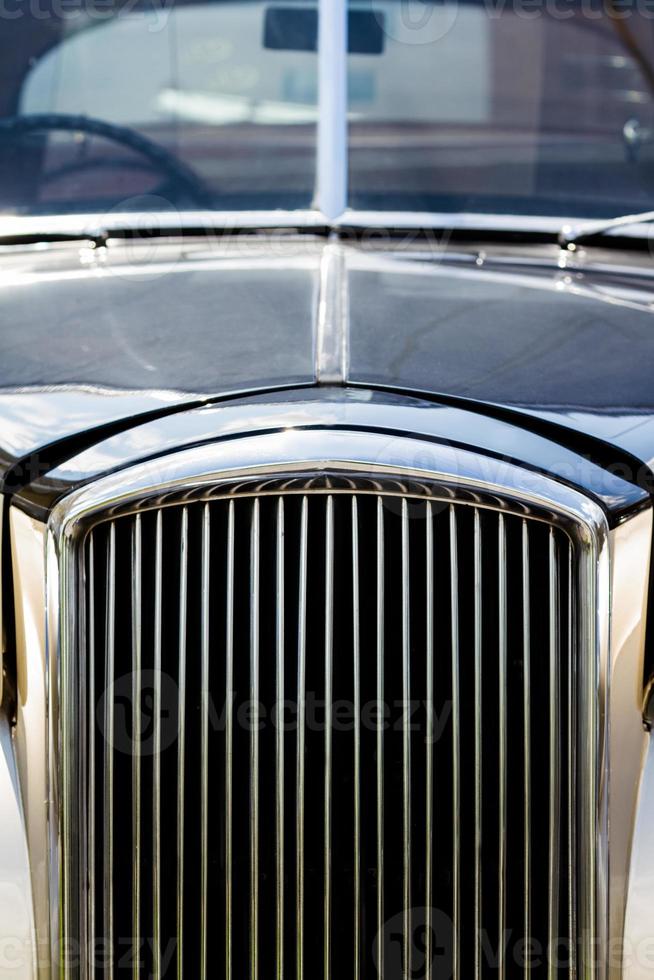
[185, 104]
[509, 106]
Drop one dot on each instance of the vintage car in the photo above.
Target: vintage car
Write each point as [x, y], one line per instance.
[326, 447]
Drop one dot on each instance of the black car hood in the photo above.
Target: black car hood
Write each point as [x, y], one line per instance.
[572, 348]
[91, 338]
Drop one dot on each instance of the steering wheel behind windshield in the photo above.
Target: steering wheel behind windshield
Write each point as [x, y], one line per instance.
[182, 177]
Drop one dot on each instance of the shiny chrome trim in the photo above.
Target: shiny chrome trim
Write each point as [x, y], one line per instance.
[329, 671]
[300, 749]
[136, 748]
[526, 721]
[156, 761]
[360, 410]
[279, 744]
[444, 220]
[429, 735]
[90, 844]
[332, 153]
[254, 739]
[502, 754]
[554, 759]
[181, 738]
[456, 752]
[332, 327]
[205, 599]
[229, 738]
[477, 857]
[380, 738]
[406, 743]
[572, 765]
[356, 648]
[206, 471]
[571, 234]
[206, 223]
[108, 775]
[255, 465]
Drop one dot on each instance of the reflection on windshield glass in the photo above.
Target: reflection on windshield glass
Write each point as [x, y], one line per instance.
[235, 118]
[518, 106]
[501, 106]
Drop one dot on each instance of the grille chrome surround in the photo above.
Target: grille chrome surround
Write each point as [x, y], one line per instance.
[359, 465]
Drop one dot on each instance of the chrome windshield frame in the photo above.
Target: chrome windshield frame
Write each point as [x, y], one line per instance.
[332, 158]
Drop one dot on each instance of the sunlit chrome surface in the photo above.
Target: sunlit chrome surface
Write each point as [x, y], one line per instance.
[195, 468]
[332, 162]
[331, 329]
[357, 409]
[257, 457]
[14, 228]
[252, 464]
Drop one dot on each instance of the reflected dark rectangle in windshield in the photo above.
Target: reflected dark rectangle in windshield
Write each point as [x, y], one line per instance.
[296, 29]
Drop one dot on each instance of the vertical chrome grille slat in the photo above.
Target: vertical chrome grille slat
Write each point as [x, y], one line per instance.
[181, 737]
[279, 746]
[477, 604]
[300, 770]
[156, 787]
[456, 775]
[406, 742]
[429, 749]
[136, 750]
[356, 657]
[91, 920]
[204, 735]
[254, 741]
[526, 721]
[229, 736]
[502, 754]
[110, 626]
[554, 774]
[380, 736]
[310, 891]
[572, 727]
[329, 641]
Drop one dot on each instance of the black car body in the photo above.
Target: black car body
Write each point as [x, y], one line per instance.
[327, 465]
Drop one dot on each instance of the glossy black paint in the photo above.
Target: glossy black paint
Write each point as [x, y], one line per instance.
[336, 408]
[567, 347]
[526, 356]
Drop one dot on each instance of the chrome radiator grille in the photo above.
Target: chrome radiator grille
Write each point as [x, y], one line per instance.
[328, 732]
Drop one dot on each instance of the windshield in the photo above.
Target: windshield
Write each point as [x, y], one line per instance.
[524, 107]
[234, 116]
[509, 106]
